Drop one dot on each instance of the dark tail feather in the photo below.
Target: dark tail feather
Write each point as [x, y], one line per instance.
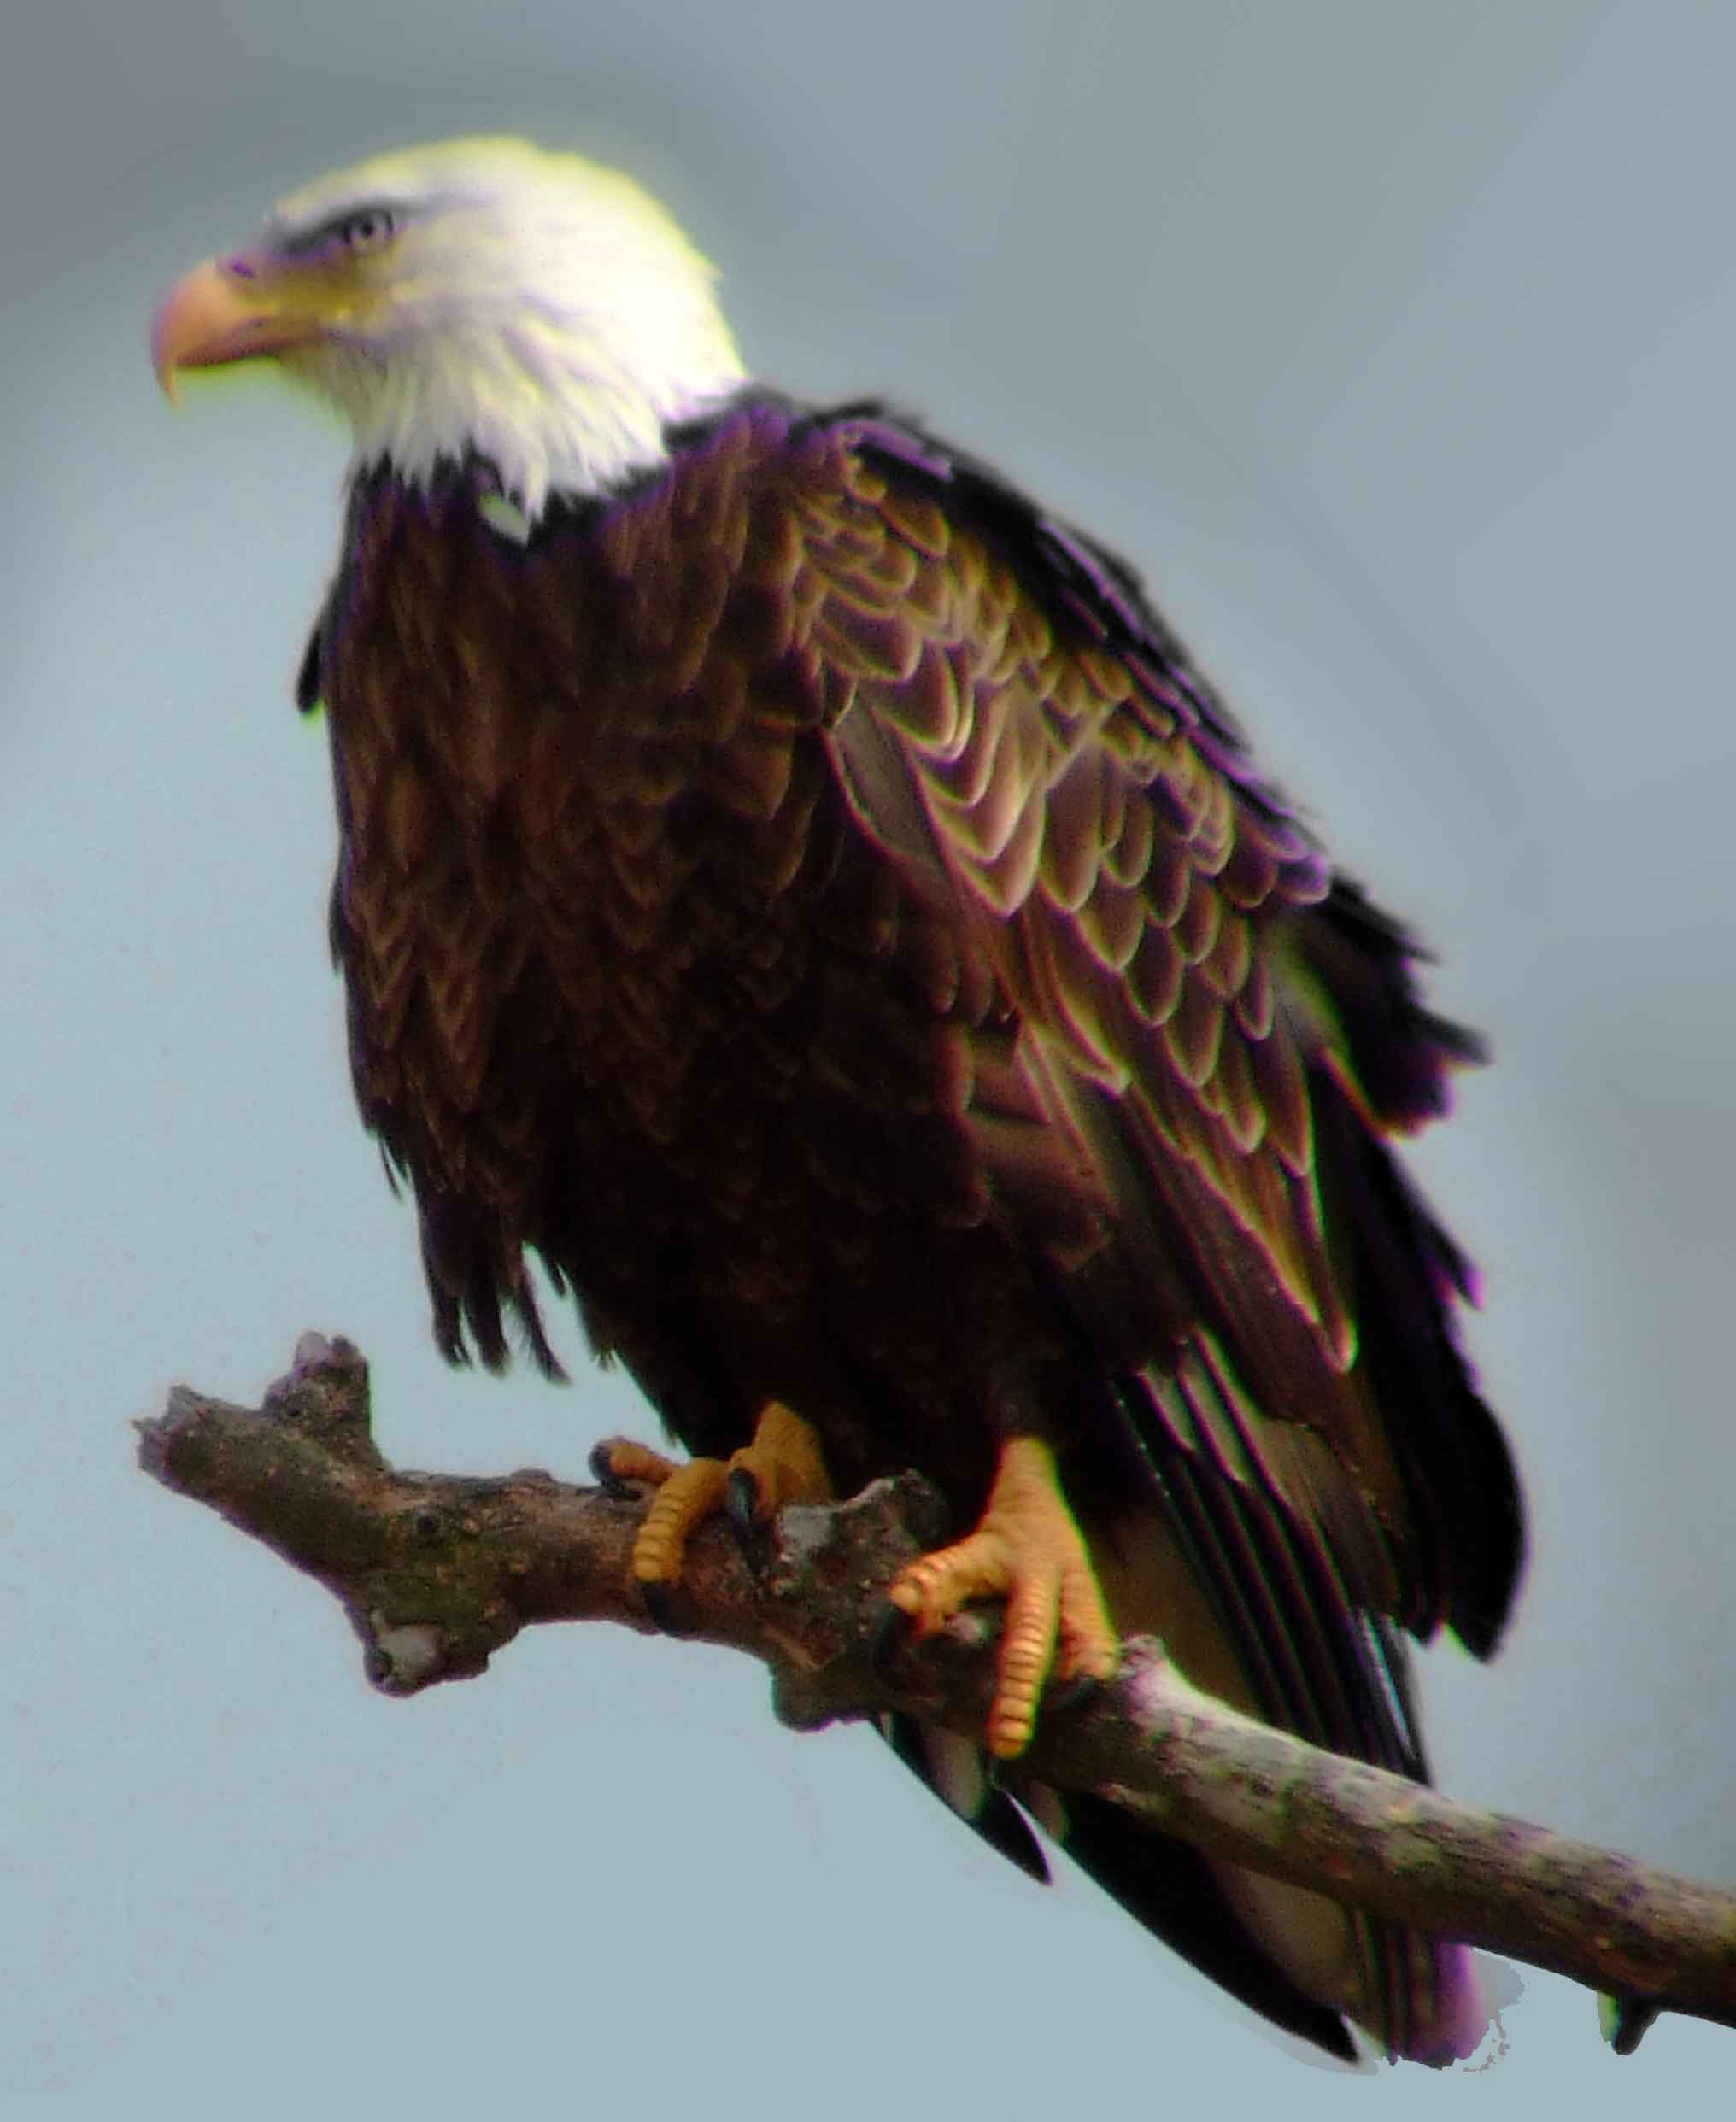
[1389, 1066]
[1170, 1887]
[1462, 1488]
[958, 1774]
[1402, 1055]
[1315, 1664]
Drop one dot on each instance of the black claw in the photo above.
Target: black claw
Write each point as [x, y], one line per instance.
[660, 1604]
[892, 1632]
[742, 1505]
[602, 1470]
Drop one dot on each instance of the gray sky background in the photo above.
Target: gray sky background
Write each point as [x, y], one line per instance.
[1395, 341]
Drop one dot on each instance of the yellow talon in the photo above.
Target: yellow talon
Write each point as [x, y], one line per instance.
[784, 1460]
[1028, 1550]
[692, 1493]
[630, 1462]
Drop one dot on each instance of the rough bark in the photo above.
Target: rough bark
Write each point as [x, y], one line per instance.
[437, 1573]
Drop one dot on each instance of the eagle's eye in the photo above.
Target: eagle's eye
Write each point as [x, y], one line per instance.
[366, 230]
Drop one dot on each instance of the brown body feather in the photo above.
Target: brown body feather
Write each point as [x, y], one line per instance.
[812, 902]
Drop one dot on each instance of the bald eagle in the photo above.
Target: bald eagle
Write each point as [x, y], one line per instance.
[804, 893]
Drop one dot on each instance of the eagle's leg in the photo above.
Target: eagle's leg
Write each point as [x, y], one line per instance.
[783, 1464]
[1027, 1549]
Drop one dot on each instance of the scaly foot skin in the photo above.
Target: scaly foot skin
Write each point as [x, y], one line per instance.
[1028, 1550]
[783, 1464]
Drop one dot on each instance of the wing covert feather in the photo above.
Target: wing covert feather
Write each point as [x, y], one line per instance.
[1197, 982]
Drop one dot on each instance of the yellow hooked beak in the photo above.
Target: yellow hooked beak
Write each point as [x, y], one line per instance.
[226, 310]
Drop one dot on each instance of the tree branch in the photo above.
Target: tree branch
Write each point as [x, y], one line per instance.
[438, 1573]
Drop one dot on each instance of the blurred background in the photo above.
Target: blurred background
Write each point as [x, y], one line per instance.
[1393, 341]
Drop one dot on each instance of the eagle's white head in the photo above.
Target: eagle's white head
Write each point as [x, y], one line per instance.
[478, 294]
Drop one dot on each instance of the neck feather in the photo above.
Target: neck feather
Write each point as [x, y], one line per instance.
[552, 412]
